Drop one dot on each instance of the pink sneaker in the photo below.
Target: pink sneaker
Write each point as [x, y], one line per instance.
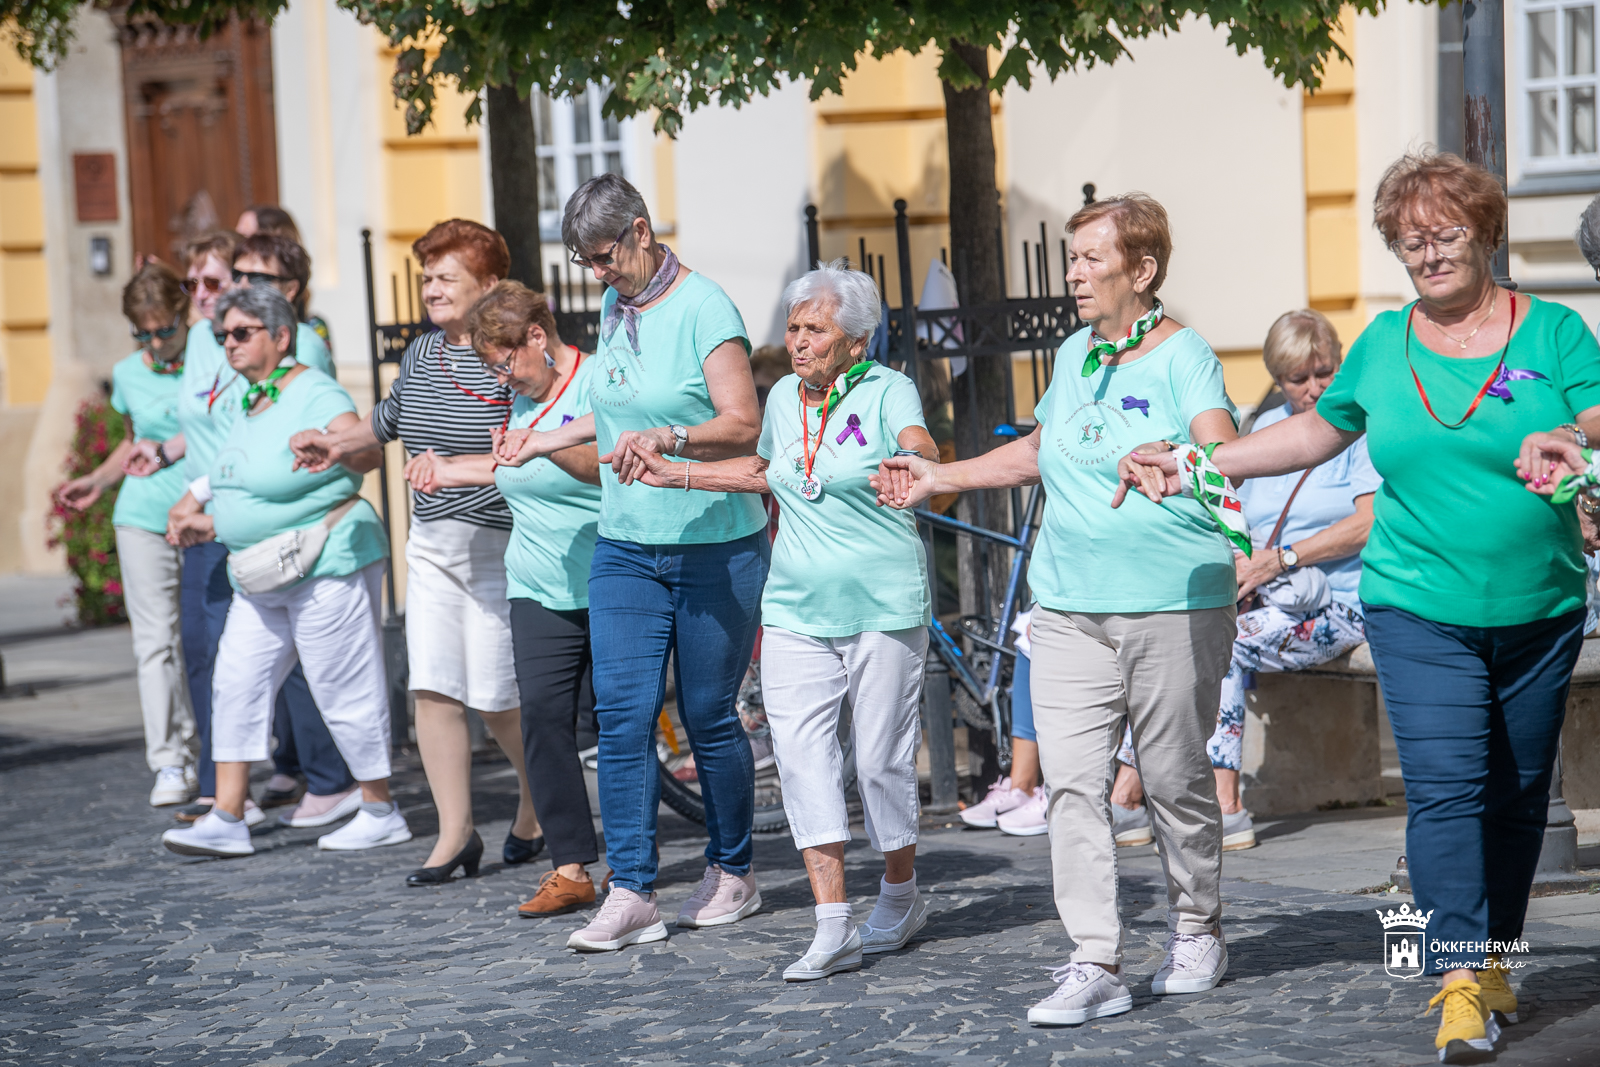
[722, 898]
[626, 918]
[1028, 818]
[1001, 798]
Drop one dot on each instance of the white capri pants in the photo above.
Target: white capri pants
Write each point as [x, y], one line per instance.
[804, 681]
[458, 621]
[331, 626]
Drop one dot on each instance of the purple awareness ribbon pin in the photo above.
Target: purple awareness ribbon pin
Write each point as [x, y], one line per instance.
[852, 426]
[1501, 387]
[565, 419]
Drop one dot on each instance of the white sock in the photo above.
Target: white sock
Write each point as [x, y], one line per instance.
[894, 902]
[835, 923]
[378, 810]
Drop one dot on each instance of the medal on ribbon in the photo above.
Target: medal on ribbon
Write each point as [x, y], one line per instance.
[1101, 349]
[1204, 482]
[811, 485]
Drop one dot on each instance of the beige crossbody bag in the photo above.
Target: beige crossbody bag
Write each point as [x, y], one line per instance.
[285, 558]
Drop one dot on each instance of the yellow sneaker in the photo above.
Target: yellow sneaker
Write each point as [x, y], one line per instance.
[1497, 994]
[1468, 1029]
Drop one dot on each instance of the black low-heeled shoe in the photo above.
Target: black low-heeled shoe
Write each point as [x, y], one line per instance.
[521, 850]
[467, 859]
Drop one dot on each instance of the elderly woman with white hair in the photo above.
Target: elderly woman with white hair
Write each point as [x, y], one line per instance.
[845, 611]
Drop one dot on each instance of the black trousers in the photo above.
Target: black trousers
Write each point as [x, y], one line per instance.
[555, 678]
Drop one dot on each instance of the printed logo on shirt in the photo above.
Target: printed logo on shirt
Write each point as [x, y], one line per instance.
[616, 383]
[1091, 434]
[824, 465]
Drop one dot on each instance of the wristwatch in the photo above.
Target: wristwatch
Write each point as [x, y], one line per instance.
[162, 462]
[681, 436]
[1289, 558]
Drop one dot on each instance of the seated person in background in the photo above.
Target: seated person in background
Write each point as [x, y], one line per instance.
[1297, 592]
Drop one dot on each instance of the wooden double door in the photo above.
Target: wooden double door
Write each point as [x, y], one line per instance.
[202, 143]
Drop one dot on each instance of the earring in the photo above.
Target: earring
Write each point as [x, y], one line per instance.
[548, 360]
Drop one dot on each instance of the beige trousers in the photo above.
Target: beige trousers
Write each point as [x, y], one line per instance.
[1162, 672]
[150, 571]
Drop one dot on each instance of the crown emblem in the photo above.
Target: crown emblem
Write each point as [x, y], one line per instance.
[1404, 917]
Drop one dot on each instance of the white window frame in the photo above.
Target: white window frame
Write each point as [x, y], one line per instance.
[564, 150]
[1564, 161]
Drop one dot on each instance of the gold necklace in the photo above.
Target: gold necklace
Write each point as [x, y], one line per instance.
[1462, 341]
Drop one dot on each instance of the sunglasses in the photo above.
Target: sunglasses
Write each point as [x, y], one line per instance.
[240, 334]
[258, 277]
[194, 285]
[166, 333]
[604, 259]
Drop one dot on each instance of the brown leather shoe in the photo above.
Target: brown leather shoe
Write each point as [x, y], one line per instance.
[557, 895]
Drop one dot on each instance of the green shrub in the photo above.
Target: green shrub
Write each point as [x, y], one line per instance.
[87, 535]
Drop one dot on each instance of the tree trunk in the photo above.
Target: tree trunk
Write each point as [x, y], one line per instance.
[514, 173]
[978, 396]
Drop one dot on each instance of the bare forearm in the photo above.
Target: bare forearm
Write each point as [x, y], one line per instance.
[1295, 444]
[1009, 466]
[724, 437]
[743, 474]
[109, 473]
[175, 447]
[580, 461]
[456, 471]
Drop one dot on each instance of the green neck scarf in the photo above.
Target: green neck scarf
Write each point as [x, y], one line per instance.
[1100, 349]
[845, 382]
[266, 387]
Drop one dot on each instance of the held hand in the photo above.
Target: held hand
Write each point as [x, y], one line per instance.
[190, 530]
[1546, 458]
[314, 451]
[186, 507]
[658, 471]
[903, 482]
[624, 456]
[80, 493]
[422, 471]
[1149, 470]
[1255, 571]
[513, 448]
[141, 461]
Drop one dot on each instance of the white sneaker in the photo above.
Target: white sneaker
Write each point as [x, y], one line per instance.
[367, 831]
[814, 965]
[894, 938]
[1085, 991]
[1131, 826]
[1002, 798]
[1238, 832]
[172, 787]
[1194, 964]
[1027, 820]
[209, 835]
[253, 815]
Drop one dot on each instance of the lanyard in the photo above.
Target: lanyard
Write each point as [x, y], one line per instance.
[806, 450]
[476, 396]
[563, 389]
[214, 394]
[1493, 375]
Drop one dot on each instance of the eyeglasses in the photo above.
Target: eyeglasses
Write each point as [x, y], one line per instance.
[1448, 243]
[604, 259]
[258, 277]
[194, 285]
[240, 334]
[503, 370]
[166, 333]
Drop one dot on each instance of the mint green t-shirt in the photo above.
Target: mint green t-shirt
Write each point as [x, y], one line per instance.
[1142, 556]
[555, 517]
[662, 384]
[151, 401]
[842, 565]
[258, 495]
[1456, 538]
[210, 391]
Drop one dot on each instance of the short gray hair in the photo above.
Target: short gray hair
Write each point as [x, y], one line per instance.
[856, 304]
[1589, 233]
[602, 207]
[261, 302]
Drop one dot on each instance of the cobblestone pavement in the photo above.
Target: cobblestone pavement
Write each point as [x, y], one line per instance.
[115, 951]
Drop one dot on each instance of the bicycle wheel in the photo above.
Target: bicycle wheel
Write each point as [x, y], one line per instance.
[680, 780]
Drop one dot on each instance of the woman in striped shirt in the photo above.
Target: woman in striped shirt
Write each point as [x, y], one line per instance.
[458, 631]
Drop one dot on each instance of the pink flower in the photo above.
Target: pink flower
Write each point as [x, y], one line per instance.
[114, 587]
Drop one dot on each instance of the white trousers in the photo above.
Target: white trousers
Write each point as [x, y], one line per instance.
[331, 626]
[458, 621]
[804, 682]
[150, 572]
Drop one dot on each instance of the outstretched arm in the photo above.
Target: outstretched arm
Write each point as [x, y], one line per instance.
[1015, 464]
[513, 448]
[742, 474]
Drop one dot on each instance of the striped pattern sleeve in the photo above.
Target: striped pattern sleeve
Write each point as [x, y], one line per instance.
[444, 400]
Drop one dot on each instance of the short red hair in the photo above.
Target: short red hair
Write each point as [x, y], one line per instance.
[1142, 229]
[1445, 187]
[481, 250]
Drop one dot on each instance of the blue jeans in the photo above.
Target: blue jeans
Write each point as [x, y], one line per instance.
[1477, 716]
[1022, 700]
[645, 601]
[203, 599]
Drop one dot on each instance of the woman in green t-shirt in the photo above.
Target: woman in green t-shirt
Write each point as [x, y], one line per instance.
[1472, 587]
[845, 610]
[1136, 613]
[144, 389]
